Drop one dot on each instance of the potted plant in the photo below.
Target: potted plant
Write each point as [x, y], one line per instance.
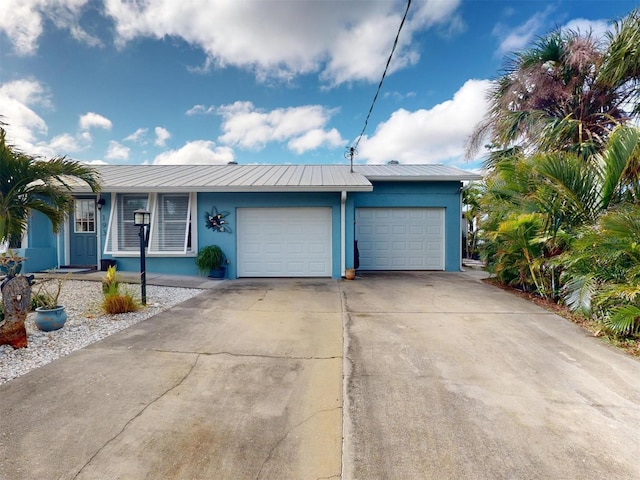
[10, 263]
[210, 260]
[49, 314]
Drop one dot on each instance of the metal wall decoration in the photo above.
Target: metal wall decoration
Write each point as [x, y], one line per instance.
[216, 220]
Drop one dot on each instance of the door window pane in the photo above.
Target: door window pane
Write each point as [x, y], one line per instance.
[84, 215]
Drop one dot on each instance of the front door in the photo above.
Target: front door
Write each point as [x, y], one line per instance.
[83, 236]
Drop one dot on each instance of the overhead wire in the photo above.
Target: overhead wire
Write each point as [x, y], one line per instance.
[352, 150]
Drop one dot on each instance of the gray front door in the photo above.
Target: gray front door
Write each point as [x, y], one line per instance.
[83, 236]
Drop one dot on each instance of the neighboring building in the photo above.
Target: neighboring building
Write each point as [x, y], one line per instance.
[281, 220]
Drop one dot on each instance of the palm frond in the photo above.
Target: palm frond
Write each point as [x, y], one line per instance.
[579, 291]
[624, 320]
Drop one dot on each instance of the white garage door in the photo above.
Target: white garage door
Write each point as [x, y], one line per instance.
[284, 242]
[400, 238]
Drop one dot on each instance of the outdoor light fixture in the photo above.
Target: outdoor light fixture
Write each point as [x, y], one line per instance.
[142, 219]
[101, 203]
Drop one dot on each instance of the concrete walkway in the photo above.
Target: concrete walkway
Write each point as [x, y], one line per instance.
[444, 377]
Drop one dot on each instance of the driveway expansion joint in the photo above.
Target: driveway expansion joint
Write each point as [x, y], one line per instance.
[136, 416]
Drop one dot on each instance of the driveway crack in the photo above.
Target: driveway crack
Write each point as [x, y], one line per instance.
[286, 434]
[248, 355]
[138, 415]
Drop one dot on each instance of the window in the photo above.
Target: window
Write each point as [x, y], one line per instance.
[171, 226]
[171, 223]
[84, 214]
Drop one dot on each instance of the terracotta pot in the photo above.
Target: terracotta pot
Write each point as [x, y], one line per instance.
[350, 273]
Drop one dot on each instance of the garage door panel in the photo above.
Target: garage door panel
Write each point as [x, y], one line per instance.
[400, 238]
[297, 242]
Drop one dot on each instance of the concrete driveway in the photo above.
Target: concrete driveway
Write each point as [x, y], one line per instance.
[451, 378]
[444, 377]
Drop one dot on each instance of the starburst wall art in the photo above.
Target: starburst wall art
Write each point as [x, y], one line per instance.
[216, 220]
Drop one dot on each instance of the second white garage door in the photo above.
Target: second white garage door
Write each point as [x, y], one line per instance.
[284, 242]
[400, 238]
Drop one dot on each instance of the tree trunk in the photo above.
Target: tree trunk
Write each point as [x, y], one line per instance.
[16, 297]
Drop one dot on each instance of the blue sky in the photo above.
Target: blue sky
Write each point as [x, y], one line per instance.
[262, 81]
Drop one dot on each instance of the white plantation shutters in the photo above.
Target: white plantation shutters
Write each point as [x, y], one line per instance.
[171, 222]
[123, 234]
[171, 226]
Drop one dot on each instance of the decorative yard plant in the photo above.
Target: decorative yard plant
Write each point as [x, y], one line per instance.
[210, 260]
[115, 302]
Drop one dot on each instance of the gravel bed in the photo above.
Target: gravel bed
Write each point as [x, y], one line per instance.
[86, 324]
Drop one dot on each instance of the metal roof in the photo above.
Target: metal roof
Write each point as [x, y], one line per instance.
[263, 178]
[430, 172]
[229, 178]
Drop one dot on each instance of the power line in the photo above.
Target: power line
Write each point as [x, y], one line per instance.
[352, 150]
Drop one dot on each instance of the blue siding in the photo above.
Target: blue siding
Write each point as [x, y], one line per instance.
[42, 252]
[230, 202]
[412, 194]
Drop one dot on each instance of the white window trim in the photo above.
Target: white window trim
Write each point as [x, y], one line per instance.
[152, 202]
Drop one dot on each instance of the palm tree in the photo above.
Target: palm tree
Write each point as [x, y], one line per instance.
[602, 271]
[28, 184]
[566, 93]
[564, 191]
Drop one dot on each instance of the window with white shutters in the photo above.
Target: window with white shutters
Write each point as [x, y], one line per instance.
[170, 229]
[171, 223]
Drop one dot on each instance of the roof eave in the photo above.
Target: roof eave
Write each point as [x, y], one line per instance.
[231, 189]
[423, 178]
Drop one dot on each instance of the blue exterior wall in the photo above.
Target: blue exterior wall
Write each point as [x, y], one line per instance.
[230, 202]
[42, 252]
[412, 194]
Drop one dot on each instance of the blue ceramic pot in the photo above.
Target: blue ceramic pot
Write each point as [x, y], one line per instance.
[217, 272]
[49, 319]
[11, 269]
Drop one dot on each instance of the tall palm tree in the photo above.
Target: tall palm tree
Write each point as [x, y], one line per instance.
[567, 92]
[28, 183]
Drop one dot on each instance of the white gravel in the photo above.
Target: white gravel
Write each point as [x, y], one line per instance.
[86, 324]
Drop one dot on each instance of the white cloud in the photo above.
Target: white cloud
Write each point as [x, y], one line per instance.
[64, 143]
[24, 125]
[314, 139]
[199, 152]
[598, 28]
[162, 135]
[436, 135]
[138, 136]
[514, 39]
[117, 151]
[96, 162]
[201, 110]
[302, 127]
[22, 21]
[345, 41]
[94, 120]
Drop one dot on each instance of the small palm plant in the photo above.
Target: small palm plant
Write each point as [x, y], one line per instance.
[602, 271]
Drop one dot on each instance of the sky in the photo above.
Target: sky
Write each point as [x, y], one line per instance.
[263, 81]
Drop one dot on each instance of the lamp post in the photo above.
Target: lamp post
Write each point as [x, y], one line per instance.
[142, 219]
